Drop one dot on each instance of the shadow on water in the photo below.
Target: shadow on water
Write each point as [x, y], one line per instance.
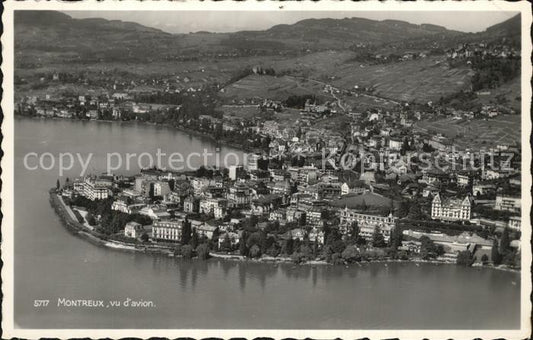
[242, 276]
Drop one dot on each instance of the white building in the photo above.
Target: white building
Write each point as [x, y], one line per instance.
[133, 230]
[161, 188]
[209, 205]
[169, 231]
[395, 144]
[367, 223]
[451, 209]
[233, 171]
[252, 162]
[508, 203]
[92, 189]
[515, 223]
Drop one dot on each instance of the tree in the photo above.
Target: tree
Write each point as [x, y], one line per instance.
[296, 244]
[177, 250]
[264, 241]
[288, 246]
[495, 253]
[428, 248]
[216, 234]
[315, 248]
[354, 233]
[253, 221]
[226, 243]
[203, 251]
[378, 240]
[305, 250]
[511, 259]
[327, 252]
[243, 250]
[405, 147]
[396, 238]
[186, 232]
[145, 237]
[194, 239]
[351, 254]
[403, 210]
[334, 241]
[414, 211]
[267, 242]
[297, 257]
[465, 258]
[255, 251]
[90, 219]
[337, 246]
[273, 250]
[336, 258]
[505, 242]
[254, 238]
[186, 251]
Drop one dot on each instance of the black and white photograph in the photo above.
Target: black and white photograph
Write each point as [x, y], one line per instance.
[325, 170]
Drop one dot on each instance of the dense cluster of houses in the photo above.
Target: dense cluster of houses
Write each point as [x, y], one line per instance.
[378, 158]
[306, 197]
[468, 50]
[91, 106]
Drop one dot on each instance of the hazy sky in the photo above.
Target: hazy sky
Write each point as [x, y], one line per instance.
[231, 21]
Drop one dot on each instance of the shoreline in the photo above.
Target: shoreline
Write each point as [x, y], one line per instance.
[100, 240]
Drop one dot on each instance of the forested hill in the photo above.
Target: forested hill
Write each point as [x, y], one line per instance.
[113, 40]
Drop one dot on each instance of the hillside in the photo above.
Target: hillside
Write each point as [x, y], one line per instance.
[508, 30]
[85, 40]
[510, 27]
[342, 33]
[305, 56]
[90, 40]
[419, 80]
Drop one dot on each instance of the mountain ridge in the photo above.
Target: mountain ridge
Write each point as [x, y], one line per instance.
[97, 39]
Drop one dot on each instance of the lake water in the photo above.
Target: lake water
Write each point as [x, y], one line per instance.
[50, 263]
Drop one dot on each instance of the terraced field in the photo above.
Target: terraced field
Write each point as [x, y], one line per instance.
[511, 91]
[504, 129]
[276, 88]
[419, 80]
[364, 102]
[314, 65]
[240, 111]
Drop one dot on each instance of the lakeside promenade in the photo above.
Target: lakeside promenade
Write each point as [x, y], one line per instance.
[70, 222]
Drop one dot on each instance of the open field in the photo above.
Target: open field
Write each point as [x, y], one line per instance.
[504, 129]
[317, 65]
[222, 67]
[287, 117]
[363, 102]
[419, 80]
[275, 88]
[240, 111]
[338, 123]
